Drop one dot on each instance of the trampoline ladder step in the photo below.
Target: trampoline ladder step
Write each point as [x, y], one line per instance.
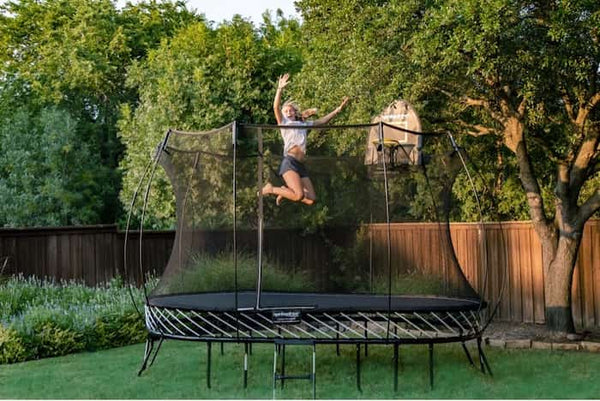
[307, 376]
[279, 347]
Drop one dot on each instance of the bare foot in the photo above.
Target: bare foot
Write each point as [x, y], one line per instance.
[267, 189]
[278, 200]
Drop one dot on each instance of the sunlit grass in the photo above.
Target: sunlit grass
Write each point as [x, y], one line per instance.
[180, 372]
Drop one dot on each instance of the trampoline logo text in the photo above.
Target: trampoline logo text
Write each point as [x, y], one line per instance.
[287, 316]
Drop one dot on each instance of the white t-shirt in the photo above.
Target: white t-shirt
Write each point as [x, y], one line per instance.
[294, 136]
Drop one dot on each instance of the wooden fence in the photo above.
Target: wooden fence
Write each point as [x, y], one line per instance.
[96, 254]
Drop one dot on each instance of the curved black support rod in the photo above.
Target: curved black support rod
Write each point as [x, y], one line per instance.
[162, 339]
[127, 230]
[482, 359]
[147, 351]
[464, 346]
[457, 150]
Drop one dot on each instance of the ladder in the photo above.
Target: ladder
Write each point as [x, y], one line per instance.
[279, 347]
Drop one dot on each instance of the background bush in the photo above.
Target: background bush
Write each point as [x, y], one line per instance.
[43, 318]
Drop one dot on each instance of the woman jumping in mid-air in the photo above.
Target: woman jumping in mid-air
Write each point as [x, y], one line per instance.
[298, 187]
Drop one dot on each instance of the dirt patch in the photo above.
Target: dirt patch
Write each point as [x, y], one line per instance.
[535, 332]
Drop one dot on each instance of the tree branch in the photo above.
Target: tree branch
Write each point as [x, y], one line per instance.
[528, 180]
[476, 130]
[586, 155]
[568, 106]
[521, 108]
[591, 206]
[484, 104]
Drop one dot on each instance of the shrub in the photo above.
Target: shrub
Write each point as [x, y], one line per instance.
[51, 340]
[42, 318]
[11, 346]
[217, 273]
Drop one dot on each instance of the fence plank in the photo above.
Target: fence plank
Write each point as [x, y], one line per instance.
[95, 254]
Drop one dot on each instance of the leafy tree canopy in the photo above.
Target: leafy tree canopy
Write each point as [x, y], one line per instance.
[73, 56]
[202, 78]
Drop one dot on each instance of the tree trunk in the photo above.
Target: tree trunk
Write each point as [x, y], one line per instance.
[558, 281]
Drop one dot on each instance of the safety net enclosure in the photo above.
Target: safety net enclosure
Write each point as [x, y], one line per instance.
[371, 261]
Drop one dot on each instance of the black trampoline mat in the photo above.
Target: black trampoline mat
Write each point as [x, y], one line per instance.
[226, 302]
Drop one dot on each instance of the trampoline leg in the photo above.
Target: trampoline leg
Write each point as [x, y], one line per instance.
[431, 365]
[395, 366]
[314, 371]
[275, 349]
[147, 351]
[337, 337]
[358, 368]
[245, 365]
[282, 364]
[468, 354]
[156, 352]
[208, 362]
[482, 359]
[366, 345]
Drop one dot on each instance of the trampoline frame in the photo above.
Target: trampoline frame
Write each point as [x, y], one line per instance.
[309, 327]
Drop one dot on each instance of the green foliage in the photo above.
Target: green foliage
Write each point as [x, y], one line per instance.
[208, 273]
[445, 57]
[48, 177]
[202, 78]
[116, 330]
[72, 56]
[49, 339]
[12, 348]
[41, 319]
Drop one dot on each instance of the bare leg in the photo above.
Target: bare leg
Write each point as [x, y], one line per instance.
[309, 191]
[293, 189]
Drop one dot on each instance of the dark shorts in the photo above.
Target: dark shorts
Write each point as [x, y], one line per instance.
[290, 163]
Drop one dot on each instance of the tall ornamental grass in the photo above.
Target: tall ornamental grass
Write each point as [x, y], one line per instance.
[44, 318]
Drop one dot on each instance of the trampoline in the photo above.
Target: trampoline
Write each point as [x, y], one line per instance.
[372, 262]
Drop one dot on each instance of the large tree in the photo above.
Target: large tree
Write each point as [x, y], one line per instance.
[73, 55]
[523, 74]
[532, 79]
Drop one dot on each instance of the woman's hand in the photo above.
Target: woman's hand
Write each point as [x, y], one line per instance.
[283, 81]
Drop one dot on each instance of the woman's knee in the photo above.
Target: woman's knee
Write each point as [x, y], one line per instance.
[296, 196]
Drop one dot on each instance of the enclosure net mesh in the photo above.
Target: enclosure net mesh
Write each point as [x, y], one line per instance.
[379, 224]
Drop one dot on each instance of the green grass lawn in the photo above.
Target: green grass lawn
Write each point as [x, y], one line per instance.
[180, 372]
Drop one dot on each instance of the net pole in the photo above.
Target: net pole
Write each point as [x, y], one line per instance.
[387, 220]
[143, 215]
[260, 217]
[234, 213]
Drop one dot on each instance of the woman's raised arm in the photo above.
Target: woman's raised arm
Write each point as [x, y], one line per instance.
[325, 119]
[281, 83]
